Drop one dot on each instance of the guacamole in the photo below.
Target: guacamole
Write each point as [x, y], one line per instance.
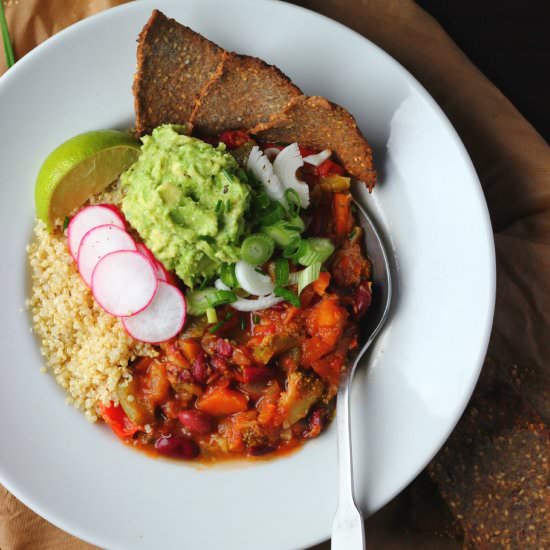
[185, 199]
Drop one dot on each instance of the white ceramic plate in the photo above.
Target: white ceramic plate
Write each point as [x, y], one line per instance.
[423, 368]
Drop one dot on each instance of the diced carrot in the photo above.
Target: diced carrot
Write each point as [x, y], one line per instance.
[220, 401]
[191, 349]
[321, 284]
[325, 324]
[291, 313]
[314, 348]
[341, 211]
[326, 314]
[267, 406]
[115, 417]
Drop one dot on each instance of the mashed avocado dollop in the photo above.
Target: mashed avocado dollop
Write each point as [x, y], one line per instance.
[185, 199]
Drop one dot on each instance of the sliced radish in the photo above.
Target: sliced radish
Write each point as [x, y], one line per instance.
[162, 319]
[124, 283]
[160, 270]
[88, 218]
[141, 247]
[99, 242]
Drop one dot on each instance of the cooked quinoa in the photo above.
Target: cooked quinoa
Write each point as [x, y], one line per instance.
[86, 349]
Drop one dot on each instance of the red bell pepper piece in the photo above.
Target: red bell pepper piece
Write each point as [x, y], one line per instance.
[115, 417]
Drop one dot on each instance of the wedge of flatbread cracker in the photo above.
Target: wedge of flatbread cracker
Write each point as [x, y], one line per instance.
[245, 92]
[174, 64]
[319, 124]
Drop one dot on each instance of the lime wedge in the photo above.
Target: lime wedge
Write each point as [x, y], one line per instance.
[79, 168]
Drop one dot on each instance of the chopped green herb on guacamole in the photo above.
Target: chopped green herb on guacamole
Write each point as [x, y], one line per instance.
[185, 199]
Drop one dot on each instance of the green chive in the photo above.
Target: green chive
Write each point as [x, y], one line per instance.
[220, 324]
[211, 315]
[287, 295]
[282, 272]
[8, 49]
[293, 201]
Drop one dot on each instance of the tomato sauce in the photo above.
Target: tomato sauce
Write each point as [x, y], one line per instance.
[256, 384]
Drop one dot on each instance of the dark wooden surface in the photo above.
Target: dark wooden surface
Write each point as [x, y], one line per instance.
[510, 43]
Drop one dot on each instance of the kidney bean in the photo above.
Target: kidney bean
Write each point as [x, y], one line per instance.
[362, 300]
[196, 422]
[255, 373]
[177, 447]
[260, 450]
[316, 422]
[219, 364]
[224, 348]
[199, 369]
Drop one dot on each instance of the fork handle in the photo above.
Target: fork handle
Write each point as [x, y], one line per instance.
[348, 531]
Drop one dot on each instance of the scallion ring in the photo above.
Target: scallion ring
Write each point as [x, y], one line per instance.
[316, 249]
[257, 249]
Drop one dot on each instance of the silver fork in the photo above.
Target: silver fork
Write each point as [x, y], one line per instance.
[348, 532]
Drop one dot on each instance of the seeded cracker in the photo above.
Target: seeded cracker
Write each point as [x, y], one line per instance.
[174, 64]
[245, 92]
[317, 123]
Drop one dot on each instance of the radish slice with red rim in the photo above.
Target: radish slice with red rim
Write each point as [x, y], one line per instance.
[97, 243]
[141, 247]
[162, 319]
[88, 218]
[160, 270]
[124, 283]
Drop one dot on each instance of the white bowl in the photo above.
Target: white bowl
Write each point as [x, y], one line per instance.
[423, 368]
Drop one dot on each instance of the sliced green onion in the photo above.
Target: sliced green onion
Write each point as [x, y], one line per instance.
[220, 324]
[203, 284]
[242, 175]
[253, 180]
[287, 295]
[316, 249]
[257, 249]
[211, 315]
[308, 275]
[227, 275]
[297, 222]
[293, 201]
[275, 213]
[199, 301]
[282, 272]
[221, 297]
[262, 200]
[295, 249]
[282, 232]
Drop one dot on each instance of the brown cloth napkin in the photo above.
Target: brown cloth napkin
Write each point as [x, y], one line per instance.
[488, 487]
